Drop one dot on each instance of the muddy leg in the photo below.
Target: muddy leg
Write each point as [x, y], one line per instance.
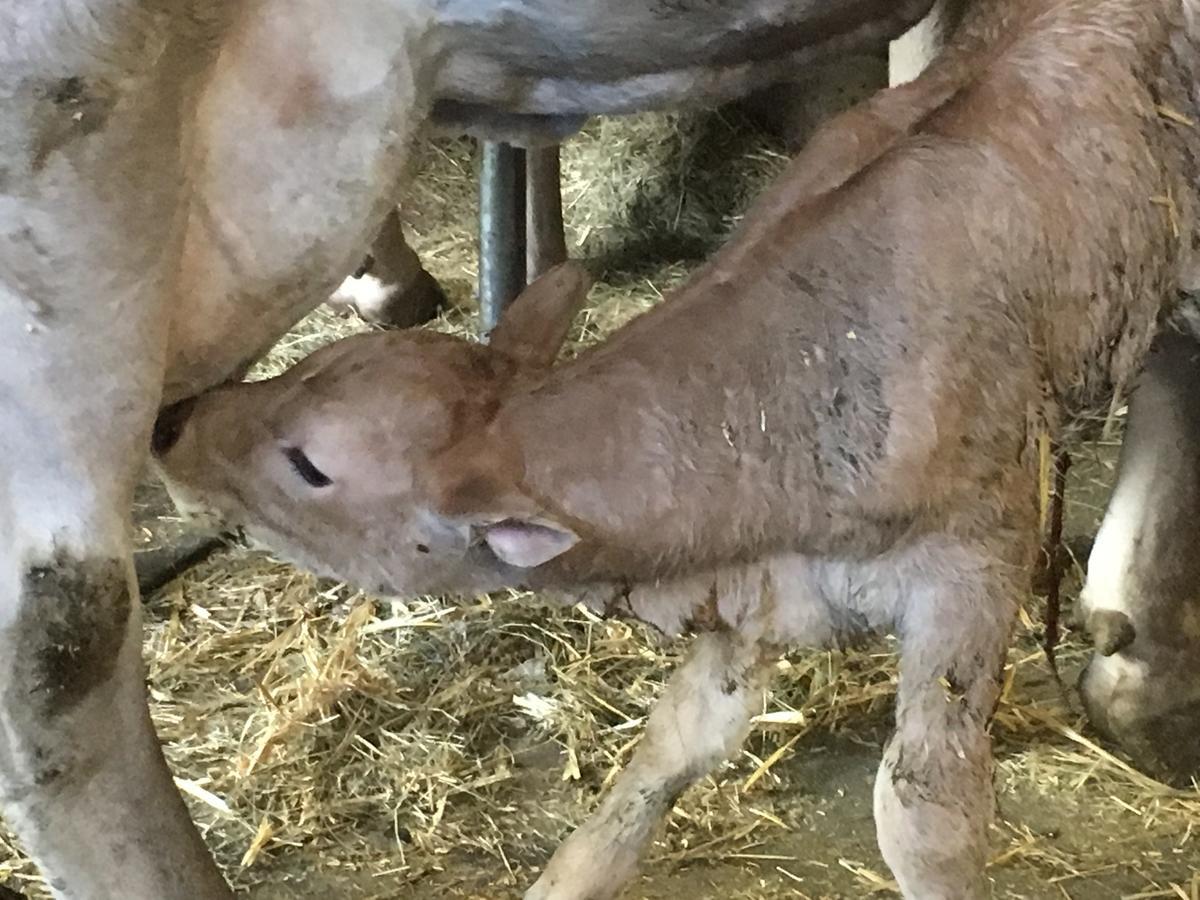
[391, 288]
[84, 237]
[701, 719]
[546, 242]
[933, 794]
[82, 779]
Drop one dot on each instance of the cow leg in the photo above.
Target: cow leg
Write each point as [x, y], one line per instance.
[293, 161]
[933, 793]
[501, 230]
[1141, 687]
[546, 241]
[88, 227]
[703, 716]
[391, 288]
[82, 777]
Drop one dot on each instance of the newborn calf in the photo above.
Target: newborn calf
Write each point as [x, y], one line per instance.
[830, 428]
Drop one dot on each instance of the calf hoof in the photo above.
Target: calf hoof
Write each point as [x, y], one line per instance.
[1151, 717]
[391, 305]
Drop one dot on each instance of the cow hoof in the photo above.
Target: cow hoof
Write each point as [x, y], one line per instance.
[390, 305]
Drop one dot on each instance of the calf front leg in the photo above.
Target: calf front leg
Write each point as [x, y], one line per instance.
[933, 793]
[702, 718]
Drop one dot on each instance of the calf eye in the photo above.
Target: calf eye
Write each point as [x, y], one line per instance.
[305, 469]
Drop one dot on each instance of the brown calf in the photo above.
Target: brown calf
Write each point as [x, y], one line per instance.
[179, 183]
[831, 427]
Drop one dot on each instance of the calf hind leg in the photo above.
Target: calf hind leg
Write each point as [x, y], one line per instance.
[933, 793]
[701, 719]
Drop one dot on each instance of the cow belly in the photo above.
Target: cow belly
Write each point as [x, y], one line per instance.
[551, 57]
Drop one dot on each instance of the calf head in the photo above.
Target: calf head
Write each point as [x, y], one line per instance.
[374, 459]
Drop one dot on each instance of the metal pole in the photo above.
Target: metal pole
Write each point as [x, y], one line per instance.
[546, 244]
[501, 230]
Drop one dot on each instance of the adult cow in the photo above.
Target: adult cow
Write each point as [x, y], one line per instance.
[180, 181]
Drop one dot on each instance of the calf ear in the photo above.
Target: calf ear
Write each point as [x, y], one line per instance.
[528, 543]
[516, 528]
[533, 328]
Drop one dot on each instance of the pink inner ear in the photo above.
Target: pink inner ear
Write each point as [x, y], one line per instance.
[528, 544]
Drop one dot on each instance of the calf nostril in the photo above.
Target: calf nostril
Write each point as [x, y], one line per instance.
[169, 426]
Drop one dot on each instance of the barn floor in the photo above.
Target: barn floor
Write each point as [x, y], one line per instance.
[334, 744]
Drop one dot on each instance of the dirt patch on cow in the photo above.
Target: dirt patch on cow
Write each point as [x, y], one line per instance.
[76, 613]
[337, 744]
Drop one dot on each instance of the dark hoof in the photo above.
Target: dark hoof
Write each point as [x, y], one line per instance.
[421, 302]
[383, 304]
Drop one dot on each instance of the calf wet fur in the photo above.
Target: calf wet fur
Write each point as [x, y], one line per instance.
[830, 428]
